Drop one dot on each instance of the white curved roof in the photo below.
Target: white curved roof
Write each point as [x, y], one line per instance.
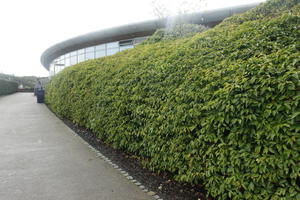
[146, 28]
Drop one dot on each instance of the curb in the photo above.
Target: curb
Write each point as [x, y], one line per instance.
[123, 172]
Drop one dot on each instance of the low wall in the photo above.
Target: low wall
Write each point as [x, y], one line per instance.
[26, 90]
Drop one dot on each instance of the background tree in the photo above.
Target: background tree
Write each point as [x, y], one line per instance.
[174, 14]
[167, 8]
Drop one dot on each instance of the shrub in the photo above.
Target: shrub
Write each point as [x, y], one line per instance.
[176, 31]
[220, 108]
[7, 87]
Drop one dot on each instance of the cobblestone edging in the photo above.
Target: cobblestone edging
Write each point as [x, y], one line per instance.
[123, 172]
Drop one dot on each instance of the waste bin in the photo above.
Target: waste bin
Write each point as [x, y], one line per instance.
[40, 96]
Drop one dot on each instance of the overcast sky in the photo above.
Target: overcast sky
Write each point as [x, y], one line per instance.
[28, 27]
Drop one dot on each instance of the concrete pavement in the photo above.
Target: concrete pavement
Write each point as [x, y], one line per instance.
[41, 159]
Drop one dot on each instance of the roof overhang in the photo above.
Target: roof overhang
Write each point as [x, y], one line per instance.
[146, 28]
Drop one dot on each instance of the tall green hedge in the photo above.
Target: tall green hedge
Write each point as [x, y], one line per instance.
[220, 108]
[8, 87]
[176, 31]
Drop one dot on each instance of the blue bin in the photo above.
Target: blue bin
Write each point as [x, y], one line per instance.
[40, 96]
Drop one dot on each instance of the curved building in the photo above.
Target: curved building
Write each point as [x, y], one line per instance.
[110, 41]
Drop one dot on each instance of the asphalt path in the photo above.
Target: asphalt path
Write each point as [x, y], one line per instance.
[42, 159]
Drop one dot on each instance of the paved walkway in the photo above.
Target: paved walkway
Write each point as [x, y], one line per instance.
[41, 159]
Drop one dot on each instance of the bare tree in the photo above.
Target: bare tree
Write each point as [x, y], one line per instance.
[176, 23]
[161, 10]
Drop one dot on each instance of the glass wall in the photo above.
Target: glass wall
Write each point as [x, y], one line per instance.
[92, 52]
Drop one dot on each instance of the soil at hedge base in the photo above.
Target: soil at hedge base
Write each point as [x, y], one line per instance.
[163, 184]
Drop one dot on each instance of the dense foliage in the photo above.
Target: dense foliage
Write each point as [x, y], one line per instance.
[7, 87]
[220, 108]
[175, 31]
[26, 81]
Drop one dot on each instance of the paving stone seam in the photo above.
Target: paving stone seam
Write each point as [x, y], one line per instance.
[123, 172]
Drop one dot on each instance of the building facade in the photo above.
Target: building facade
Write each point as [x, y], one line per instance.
[110, 41]
[92, 52]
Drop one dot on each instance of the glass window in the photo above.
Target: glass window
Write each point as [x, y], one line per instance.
[89, 55]
[74, 53]
[112, 45]
[126, 47]
[90, 49]
[62, 62]
[67, 62]
[56, 69]
[125, 42]
[67, 55]
[80, 51]
[61, 57]
[81, 58]
[73, 60]
[139, 40]
[52, 69]
[100, 53]
[112, 51]
[100, 47]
